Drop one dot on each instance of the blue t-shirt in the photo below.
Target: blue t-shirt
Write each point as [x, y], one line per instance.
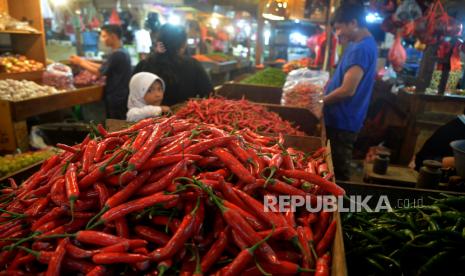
[349, 114]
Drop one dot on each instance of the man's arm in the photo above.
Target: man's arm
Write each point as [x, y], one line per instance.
[352, 78]
[92, 67]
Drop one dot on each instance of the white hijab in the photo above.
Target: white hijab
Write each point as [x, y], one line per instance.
[138, 87]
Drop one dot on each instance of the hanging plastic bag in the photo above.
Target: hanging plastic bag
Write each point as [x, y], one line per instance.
[407, 11]
[304, 88]
[397, 54]
[59, 76]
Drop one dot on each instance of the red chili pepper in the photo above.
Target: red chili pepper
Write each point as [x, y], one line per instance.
[241, 261]
[89, 155]
[104, 145]
[215, 252]
[67, 148]
[115, 257]
[58, 193]
[207, 161]
[166, 180]
[160, 173]
[37, 206]
[160, 161]
[121, 226]
[176, 148]
[72, 188]
[288, 163]
[251, 219]
[98, 270]
[308, 260]
[284, 267]
[208, 144]
[77, 265]
[139, 158]
[139, 125]
[55, 213]
[118, 247]
[322, 224]
[104, 239]
[78, 253]
[326, 185]
[323, 169]
[322, 267]
[184, 232]
[136, 205]
[327, 240]
[102, 130]
[13, 227]
[288, 255]
[124, 194]
[319, 152]
[241, 153]
[152, 235]
[103, 193]
[234, 165]
[54, 266]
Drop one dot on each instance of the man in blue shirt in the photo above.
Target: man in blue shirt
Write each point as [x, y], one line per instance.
[348, 93]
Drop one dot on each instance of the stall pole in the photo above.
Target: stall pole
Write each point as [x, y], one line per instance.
[260, 28]
[329, 38]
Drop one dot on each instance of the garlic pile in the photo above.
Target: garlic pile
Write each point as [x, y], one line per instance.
[14, 90]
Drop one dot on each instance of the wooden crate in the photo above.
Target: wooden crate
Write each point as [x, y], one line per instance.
[13, 115]
[253, 93]
[310, 144]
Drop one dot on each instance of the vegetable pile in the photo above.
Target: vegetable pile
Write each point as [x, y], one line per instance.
[231, 114]
[427, 240]
[296, 64]
[13, 90]
[19, 64]
[267, 77]
[86, 78]
[170, 196]
[12, 163]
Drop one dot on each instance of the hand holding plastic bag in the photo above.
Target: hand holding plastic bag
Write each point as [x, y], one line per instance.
[304, 88]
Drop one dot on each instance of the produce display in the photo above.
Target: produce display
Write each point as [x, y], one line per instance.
[14, 90]
[427, 240]
[297, 64]
[167, 196]
[86, 78]
[19, 64]
[11, 163]
[268, 77]
[59, 76]
[231, 114]
[214, 57]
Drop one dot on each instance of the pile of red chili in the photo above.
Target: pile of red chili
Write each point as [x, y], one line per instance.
[167, 196]
[232, 114]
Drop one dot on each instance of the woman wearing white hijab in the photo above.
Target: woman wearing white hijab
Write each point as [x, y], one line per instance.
[145, 95]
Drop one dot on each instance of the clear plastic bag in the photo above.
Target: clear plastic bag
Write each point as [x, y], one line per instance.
[59, 76]
[304, 88]
[407, 11]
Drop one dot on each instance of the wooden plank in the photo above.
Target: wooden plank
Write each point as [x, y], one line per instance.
[3, 6]
[32, 76]
[19, 32]
[395, 175]
[7, 131]
[254, 93]
[24, 109]
[301, 117]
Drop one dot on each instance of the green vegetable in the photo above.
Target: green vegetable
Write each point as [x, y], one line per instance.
[427, 240]
[268, 77]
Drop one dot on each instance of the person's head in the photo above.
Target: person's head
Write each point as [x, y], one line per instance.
[348, 20]
[111, 35]
[174, 38]
[145, 89]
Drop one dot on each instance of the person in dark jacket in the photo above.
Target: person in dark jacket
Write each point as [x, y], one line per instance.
[184, 76]
[116, 69]
[438, 148]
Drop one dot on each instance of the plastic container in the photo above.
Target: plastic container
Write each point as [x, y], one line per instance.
[459, 153]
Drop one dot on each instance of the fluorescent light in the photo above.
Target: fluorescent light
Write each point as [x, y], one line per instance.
[214, 21]
[174, 19]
